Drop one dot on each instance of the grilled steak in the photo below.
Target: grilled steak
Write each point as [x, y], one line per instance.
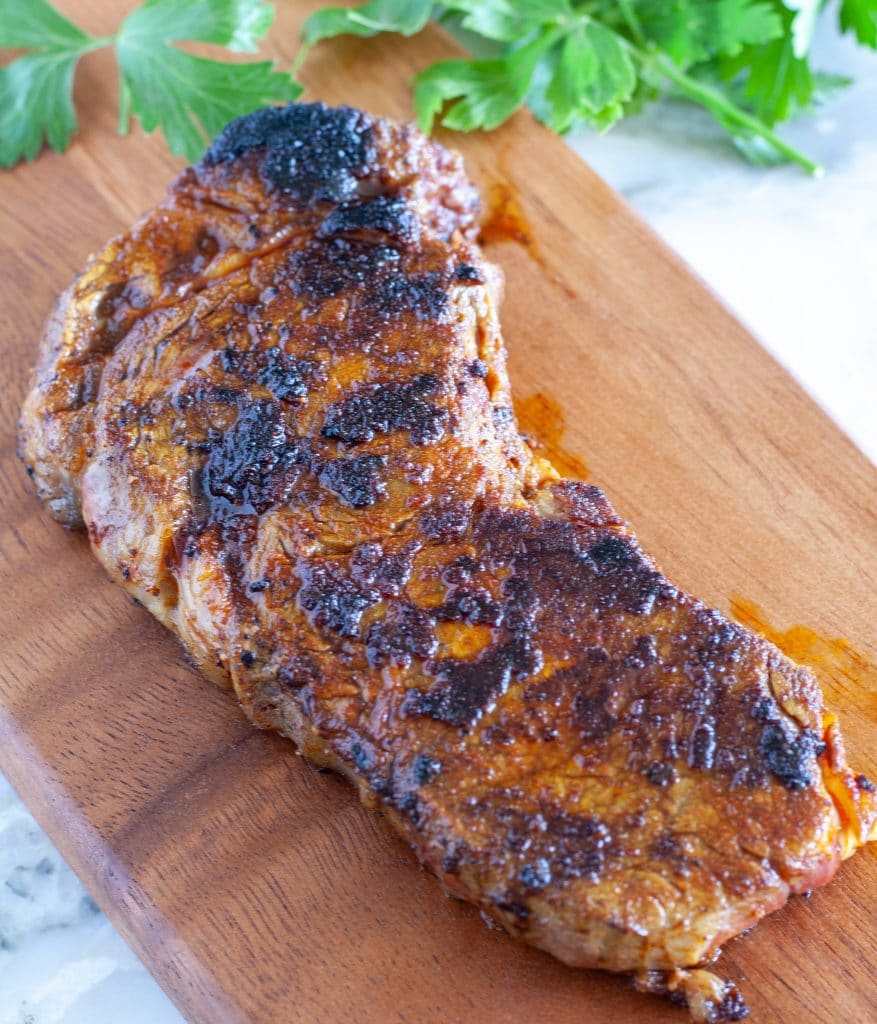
[279, 406]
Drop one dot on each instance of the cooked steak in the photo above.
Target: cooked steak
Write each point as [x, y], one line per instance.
[279, 406]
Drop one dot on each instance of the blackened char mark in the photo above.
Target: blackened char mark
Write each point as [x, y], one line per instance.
[461, 570]
[624, 578]
[384, 408]
[253, 466]
[593, 681]
[606, 573]
[661, 773]
[612, 552]
[406, 631]
[325, 269]
[592, 711]
[790, 758]
[311, 152]
[463, 690]
[425, 295]
[373, 565]
[425, 769]
[381, 215]
[384, 286]
[466, 272]
[552, 846]
[470, 604]
[598, 569]
[536, 875]
[355, 480]
[285, 376]
[405, 781]
[580, 846]
[445, 525]
[788, 754]
[333, 600]
[362, 757]
[732, 1007]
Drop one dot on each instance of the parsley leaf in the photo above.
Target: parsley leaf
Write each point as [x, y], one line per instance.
[691, 31]
[776, 81]
[593, 78]
[192, 98]
[860, 17]
[407, 17]
[745, 61]
[189, 98]
[508, 20]
[489, 91]
[36, 90]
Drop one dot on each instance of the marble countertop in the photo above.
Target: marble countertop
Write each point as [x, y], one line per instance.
[796, 258]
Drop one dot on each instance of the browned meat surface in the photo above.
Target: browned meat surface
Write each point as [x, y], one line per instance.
[279, 405]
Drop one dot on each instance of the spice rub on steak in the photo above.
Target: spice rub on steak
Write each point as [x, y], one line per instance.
[279, 406]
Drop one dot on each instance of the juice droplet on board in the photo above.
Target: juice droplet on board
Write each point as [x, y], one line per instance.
[541, 420]
[504, 220]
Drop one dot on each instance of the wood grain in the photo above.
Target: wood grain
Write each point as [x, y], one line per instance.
[256, 889]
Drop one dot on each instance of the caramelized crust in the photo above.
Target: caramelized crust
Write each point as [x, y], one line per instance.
[279, 405]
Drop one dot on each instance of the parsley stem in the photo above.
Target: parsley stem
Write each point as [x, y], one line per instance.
[632, 21]
[723, 109]
[303, 51]
[98, 43]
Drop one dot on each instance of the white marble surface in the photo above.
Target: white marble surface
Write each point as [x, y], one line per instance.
[796, 258]
[61, 961]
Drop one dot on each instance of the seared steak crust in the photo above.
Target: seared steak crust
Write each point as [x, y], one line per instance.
[279, 405]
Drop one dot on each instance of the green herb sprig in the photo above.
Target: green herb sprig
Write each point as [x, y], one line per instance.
[745, 61]
[190, 98]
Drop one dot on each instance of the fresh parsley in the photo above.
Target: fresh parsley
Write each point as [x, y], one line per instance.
[189, 98]
[745, 61]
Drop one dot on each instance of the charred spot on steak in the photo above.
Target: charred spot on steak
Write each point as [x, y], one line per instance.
[405, 632]
[356, 479]
[466, 272]
[310, 152]
[373, 565]
[383, 408]
[332, 598]
[470, 604]
[286, 377]
[791, 758]
[425, 769]
[379, 215]
[385, 285]
[444, 525]
[253, 466]
[463, 690]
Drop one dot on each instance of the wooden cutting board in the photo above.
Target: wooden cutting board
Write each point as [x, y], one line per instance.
[258, 890]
